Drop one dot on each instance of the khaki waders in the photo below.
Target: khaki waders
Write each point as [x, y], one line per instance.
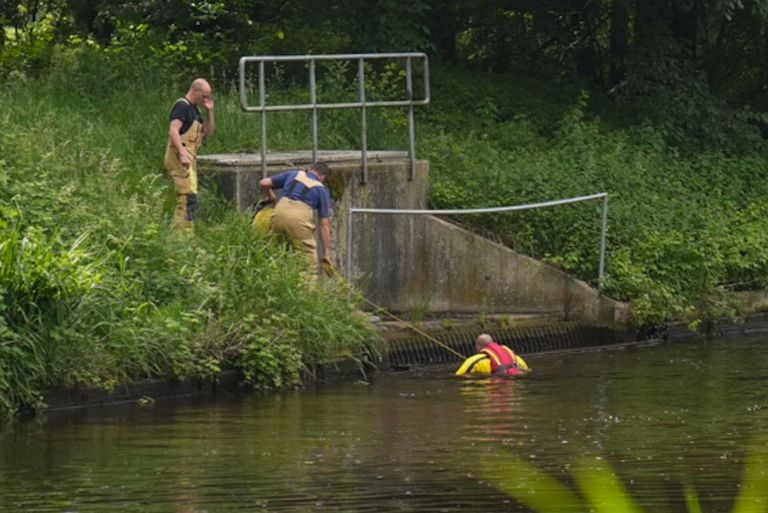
[295, 221]
[185, 178]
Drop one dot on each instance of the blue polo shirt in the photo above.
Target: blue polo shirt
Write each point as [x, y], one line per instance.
[317, 197]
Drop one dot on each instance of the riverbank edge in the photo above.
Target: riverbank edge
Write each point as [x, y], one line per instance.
[230, 382]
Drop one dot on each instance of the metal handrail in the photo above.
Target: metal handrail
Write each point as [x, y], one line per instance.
[314, 106]
[528, 206]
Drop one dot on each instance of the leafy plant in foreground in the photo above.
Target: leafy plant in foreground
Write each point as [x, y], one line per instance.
[602, 492]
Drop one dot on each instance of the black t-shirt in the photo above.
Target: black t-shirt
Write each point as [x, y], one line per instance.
[186, 112]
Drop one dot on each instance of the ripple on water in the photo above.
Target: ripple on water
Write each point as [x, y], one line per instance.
[662, 417]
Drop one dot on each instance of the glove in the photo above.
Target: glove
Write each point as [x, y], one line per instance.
[261, 204]
[328, 267]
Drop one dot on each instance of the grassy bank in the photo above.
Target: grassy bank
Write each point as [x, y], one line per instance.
[96, 289]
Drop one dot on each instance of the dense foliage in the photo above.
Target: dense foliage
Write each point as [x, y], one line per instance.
[661, 104]
[684, 230]
[97, 289]
[696, 69]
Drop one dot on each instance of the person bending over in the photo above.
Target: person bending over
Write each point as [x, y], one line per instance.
[294, 216]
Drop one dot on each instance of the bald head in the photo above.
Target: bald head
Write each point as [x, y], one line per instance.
[200, 83]
[199, 91]
[482, 340]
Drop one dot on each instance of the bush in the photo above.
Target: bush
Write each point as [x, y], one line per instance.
[682, 228]
[97, 288]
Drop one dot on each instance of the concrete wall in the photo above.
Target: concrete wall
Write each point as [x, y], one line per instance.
[426, 263]
[407, 263]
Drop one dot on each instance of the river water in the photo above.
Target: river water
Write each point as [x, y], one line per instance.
[658, 419]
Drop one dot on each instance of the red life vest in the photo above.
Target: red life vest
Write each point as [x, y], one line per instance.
[502, 359]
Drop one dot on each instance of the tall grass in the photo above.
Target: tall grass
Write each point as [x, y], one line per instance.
[97, 288]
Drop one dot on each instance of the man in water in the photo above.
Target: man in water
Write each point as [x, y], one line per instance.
[493, 358]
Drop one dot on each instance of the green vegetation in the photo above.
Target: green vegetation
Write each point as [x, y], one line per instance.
[97, 289]
[602, 490]
[642, 100]
[684, 228]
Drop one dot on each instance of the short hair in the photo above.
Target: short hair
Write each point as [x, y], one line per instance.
[483, 340]
[321, 168]
[199, 83]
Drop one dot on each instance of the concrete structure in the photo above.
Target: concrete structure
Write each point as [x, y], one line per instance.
[407, 263]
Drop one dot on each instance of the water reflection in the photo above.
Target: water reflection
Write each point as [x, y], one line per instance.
[661, 417]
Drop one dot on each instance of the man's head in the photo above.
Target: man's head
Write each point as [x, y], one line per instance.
[481, 341]
[321, 169]
[199, 91]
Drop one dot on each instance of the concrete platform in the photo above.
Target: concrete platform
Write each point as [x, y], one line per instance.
[296, 158]
[416, 262]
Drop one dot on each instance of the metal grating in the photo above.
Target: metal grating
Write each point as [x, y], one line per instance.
[417, 350]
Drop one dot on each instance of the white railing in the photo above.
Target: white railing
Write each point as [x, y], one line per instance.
[315, 106]
[530, 206]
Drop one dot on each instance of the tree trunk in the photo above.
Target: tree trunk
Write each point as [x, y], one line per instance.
[685, 28]
[443, 30]
[619, 41]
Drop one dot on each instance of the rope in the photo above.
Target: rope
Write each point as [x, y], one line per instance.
[414, 328]
[330, 270]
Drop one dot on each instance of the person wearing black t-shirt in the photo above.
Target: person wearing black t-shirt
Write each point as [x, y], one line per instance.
[186, 135]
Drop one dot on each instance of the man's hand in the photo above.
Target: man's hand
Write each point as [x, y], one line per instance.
[208, 103]
[184, 158]
[266, 187]
[329, 268]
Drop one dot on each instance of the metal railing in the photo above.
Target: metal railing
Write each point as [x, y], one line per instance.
[489, 210]
[314, 106]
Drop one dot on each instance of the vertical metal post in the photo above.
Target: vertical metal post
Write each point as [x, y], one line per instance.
[411, 125]
[315, 106]
[363, 119]
[603, 230]
[243, 95]
[313, 99]
[351, 219]
[262, 104]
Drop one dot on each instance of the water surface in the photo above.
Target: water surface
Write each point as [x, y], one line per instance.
[661, 417]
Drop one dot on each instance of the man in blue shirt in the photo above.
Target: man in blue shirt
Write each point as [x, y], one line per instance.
[294, 215]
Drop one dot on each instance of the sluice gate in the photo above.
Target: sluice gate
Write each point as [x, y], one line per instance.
[400, 255]
[405, 351]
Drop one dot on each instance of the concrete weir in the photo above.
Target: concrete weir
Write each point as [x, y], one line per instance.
[425, 264]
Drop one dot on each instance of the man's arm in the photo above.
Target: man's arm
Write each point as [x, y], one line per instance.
[266, 186]
[173, 133]
[325, 236]
[210, 120]
[324, 211]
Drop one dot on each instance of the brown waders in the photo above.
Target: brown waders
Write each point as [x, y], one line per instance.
[185, 178]
[294, 220]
